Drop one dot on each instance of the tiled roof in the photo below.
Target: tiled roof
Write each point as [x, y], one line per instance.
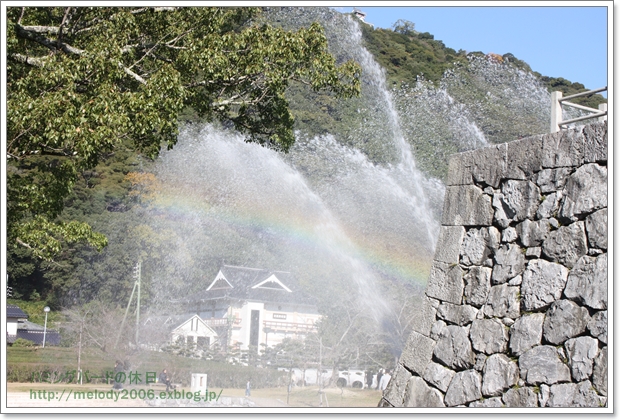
[244, 281]
[52, 337]
[13, 311]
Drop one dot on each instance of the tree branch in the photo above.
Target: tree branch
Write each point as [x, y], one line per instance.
[53, 30]
[155, 9]
[33, 35]
[31, 61]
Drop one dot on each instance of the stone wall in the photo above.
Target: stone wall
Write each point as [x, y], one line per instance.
[515, 310]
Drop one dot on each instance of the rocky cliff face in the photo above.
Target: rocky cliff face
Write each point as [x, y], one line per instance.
[515, 311]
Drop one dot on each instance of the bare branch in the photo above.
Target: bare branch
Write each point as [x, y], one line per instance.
[53, 30]
[62, 24]
[155, 9]
[31, 61]
[33, 33]
[22, 243]
[132, 74]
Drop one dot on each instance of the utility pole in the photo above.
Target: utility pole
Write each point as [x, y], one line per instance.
[138, 275]
[136, 285]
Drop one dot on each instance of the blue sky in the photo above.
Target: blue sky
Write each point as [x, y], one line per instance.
[556, 41]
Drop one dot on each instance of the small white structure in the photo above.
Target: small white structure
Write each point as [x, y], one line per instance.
[194, 330]
[13, 316]
[188, 330]
[199, 382]
[361, 16]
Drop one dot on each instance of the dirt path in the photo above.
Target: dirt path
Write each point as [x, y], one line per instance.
[27, 400]
[103, 399]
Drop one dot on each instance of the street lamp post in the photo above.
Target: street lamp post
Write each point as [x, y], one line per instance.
[46, 310]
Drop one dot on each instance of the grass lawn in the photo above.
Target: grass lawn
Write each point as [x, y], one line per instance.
[65, 359]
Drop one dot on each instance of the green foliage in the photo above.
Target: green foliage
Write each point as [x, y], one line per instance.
[82, 81]
[570, 88]
[407, 54]
[32, 364]
[34, 310]
[404, 27]
[22, 342]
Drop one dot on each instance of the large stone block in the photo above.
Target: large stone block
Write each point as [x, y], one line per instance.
[509, 263]
[418, 352]
[532, 234]
[419, 394]
[453, 348]
[500, 373]
[564, 319]
[459, 168]
[395, 393]
[438, 375]
[449, 244]
[424, 317]
[526, 333]
[465, 387]
[551, 180]
[541, 365]
[466, 205]
[543, 283]
[479, 245]
[581, 352]
[574, 395]
[489, 164]
[585, 192]
[488, 336]
[520, 199]
[445, 282]
[503, 302]
[595, 141]
[524, 397]
[566, 244]
[456, 314]
[485, 166]
[523, 157]
[477, 286]
[598, 326]
[596, 228]
[587, 282]
[562, 149]
[599, 374]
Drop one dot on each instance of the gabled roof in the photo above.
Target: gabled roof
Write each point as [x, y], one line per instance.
[273, 283]
[13, 311]
[165, 321]
[254, 284]
[204, 325]
[30, 326]
[35, 332]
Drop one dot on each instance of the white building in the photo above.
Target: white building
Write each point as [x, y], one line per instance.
[251, 307]
[13, 315]
[194, 331]
[189, 330]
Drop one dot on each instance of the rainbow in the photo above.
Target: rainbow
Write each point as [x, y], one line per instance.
[403, 263]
